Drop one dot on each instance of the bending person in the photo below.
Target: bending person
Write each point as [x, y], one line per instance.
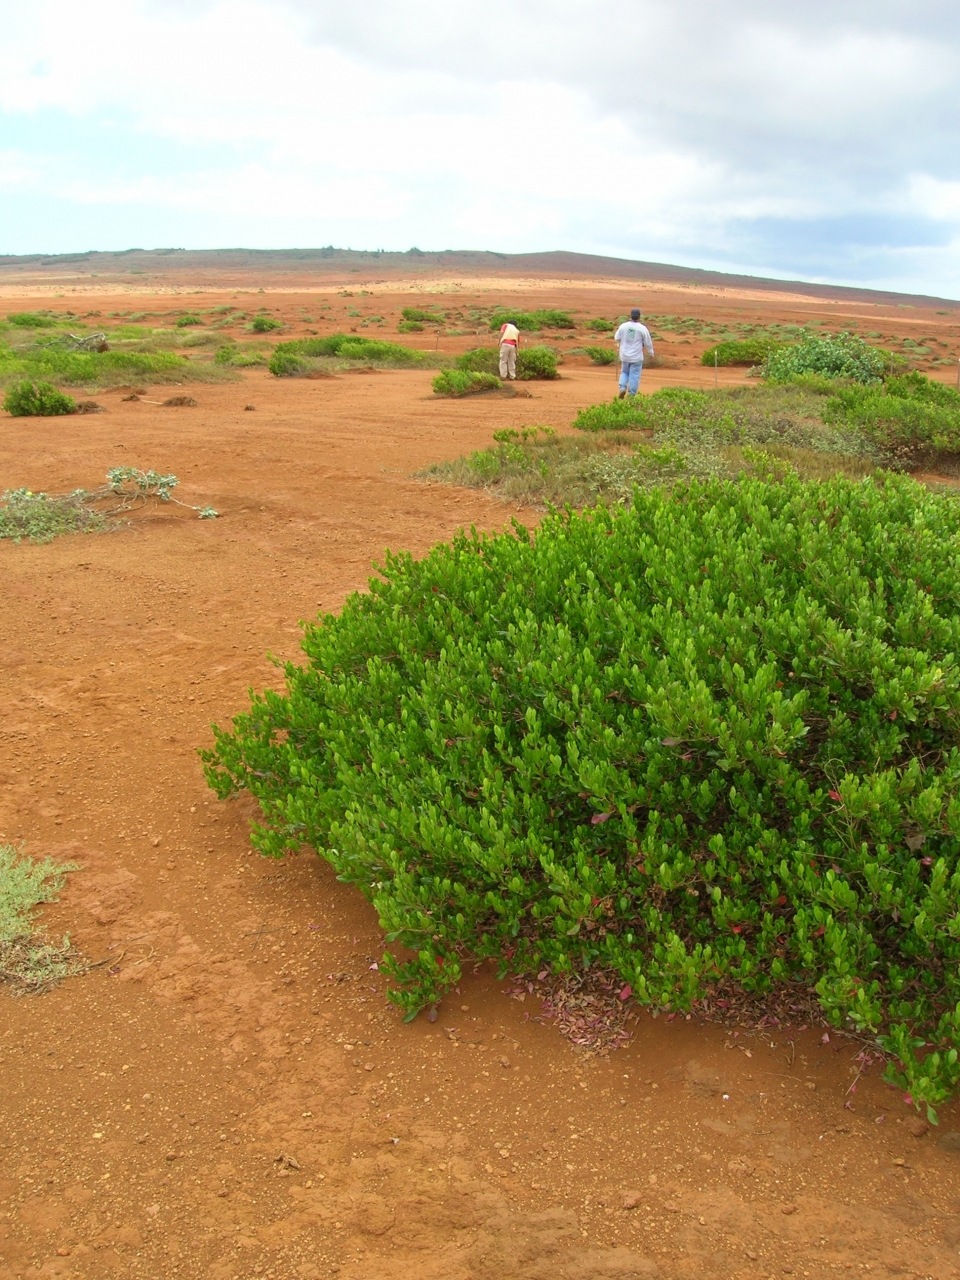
[509, 345]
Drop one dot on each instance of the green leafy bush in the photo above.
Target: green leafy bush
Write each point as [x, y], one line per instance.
[88, 368]
[601, 326]
[533, 363]
[460, 382]
[416, 315]
[31, 320]
[186, 321]
[845, 356]
[543, 319]
[631, 414]
[265, 324]
[37, 400]
[907, 415]
[602, 355]
[709, 739]
[343, 346]
[748, 351]
[285, 365]
[410, 326]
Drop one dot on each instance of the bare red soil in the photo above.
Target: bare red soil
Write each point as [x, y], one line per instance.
[229, 1094]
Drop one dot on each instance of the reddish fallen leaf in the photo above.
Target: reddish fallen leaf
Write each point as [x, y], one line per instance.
[600, 817]
[626, 992]
[835, 795]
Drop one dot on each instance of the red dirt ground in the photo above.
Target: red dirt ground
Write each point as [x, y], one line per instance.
[229, 1095]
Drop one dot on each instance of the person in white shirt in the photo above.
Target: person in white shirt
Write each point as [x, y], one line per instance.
[509, 345]
[633, 339]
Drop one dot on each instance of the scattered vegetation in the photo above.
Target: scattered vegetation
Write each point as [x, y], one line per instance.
[601, 326]
[28, 399]
[543, 319]
[533, 363]
[31, 320]
[40, 517]
[30, 963]
[301, 355]
[410, 326]
[462, 382]
[709, 739]
[908, 417]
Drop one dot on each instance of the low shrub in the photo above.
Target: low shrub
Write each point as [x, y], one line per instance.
[615, 415]
[533, 363]
[29, 961]
[707, 740]
[31, 320]
[601, 326]
[461, 382]
[845, 356]
[410, 326]
[543, 319]
[746, 351]
[285, 365]
[37, 400]
[602, 355]
[264, 324]
[186, 321]
[416, 315]
[342, 346]
[908, 415]
[89, 368]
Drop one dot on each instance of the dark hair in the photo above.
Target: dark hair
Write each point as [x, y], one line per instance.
[635, 313]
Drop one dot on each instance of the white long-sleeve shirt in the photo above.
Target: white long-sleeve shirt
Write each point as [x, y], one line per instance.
[633, 338]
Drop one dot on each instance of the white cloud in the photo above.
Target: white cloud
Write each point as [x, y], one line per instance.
[722, 134]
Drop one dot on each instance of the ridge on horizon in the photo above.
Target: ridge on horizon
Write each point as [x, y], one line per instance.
[564, 262]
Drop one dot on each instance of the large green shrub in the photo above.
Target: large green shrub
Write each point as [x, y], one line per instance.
[845, 356]
[265, 324]
[416, 315]
[533, 363]
[707, 739]
[89, 368]
[460, 382]
[37, 400]
[746, 351]
[542, 319]
[31, 320]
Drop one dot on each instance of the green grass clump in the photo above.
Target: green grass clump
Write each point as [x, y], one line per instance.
[185, 322]
[542, 319]
[602, 355]
[28, 962]
[709, 739]
[533, 363]
[460, 382]
[410, 326]
[28, 399]
[843, 356]
[264, 324]
[601, 326]
[31, 320]
[91, 368]
[747, 352]
[416, 315]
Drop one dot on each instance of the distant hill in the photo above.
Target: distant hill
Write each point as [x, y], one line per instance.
[236, 265]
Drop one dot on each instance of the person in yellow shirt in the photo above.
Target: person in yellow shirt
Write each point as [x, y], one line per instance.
[509, 346]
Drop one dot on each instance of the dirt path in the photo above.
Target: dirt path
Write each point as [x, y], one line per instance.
[229, 1095]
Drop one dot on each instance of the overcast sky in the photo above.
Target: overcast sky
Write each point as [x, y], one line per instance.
[816, 140]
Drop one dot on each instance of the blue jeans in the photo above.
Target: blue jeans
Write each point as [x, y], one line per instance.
[630, 371]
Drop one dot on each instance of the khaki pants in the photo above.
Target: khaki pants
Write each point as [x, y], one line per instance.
[508, 361]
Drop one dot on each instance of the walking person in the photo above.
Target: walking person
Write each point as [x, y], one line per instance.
[509, 346]
[633, 339]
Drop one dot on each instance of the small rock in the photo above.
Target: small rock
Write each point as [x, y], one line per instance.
[916, 1126]
[632, 1200]
[950, 1141]
[170, 1155]
[811, 1085]
[505, 1062]
[249, 408]
[63, 1252]
[788, 1208]
[671, 1207]
[900, 1162]
[368, 1067]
